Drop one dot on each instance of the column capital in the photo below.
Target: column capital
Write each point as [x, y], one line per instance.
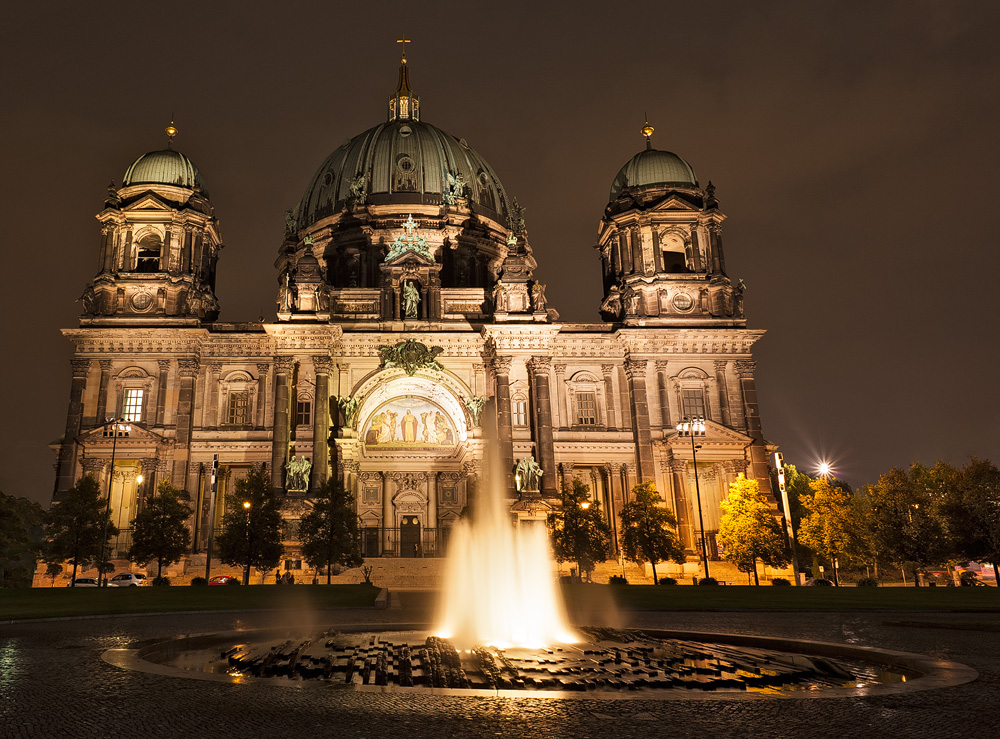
[678, 465]
[263, 368]
[636, 367]
[187, 367]
[540, 364]
[351, 465]
[80, 367]
[92, 465]
[499, 364]
[661, 365]
[283, 365]
[105, 364]
[607, 369]
[560, 369]
[163, 364]
[322, 364]
[745, 368]
[721, 364]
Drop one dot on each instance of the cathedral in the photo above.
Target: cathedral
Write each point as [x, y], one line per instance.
[411, 336]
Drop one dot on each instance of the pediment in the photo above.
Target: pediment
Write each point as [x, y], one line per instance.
[675, 202]
[138, 436]
[148, 201]
[715, 433]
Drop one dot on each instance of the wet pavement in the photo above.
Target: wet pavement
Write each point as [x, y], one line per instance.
[54, 683]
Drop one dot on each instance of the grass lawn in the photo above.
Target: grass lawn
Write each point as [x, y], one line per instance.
[55, 602]
[768, 598]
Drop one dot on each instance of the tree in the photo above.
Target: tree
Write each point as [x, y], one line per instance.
[649, 529]
[579, 532]
[77, 526]
[329, 533]
[971, 511]
[906, 517]
[749, 531]
[52, 571]
[830, 527]
[20, 540]
[159, 530]
[251, 534]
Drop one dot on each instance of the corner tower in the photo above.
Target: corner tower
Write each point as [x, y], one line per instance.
[160, 244]
[660, 242]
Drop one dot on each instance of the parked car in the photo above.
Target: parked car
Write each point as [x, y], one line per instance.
[224, 580]
[83, 582]
[128, 580]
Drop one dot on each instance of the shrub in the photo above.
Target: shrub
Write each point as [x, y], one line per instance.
[822, 582]
[867, 582]
[199, 581]
[968, 579]
[617, 580]
[161, 581]
[668, 581]
[233, 581]
[781, 582]
[708, 581]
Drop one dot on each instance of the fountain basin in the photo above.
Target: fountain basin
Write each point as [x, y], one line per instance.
[656, 664]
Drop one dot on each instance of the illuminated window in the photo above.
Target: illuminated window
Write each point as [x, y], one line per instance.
[520, 412]
[132, 407]
[303, 413]
[693, 402]
[239, 409]
[586, 409]
[148, 254]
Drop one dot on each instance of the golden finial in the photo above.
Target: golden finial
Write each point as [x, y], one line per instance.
[171, 132]
[404, 41]
[647, 131]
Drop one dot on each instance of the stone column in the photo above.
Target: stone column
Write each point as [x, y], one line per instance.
[635, 241]
[636, 371]
[624, 405]
[323, 366]
[388, 520]
[262, 372]
[758, 450]
[683, 510]
[102, 391]
[715, 238]
[213, 377]
[432, 508]
[696, 263]
[161, 390]
[661, 390]
[720, 380]
[615, 501]
[280, 429]
[609, 396]
[562, 415]
[74, 425]
[500, 366]
[187, 370]
[539, 367]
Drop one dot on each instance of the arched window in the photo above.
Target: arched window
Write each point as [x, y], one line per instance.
[134, 385]
[692, 396]
[587, 404]
[673, 252]
[519, 410]
[148, 250]
[238, 394]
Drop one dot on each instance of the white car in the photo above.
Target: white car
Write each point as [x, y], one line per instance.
[83, 582]
[127, 580]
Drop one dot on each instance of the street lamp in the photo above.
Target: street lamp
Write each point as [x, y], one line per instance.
[779, 465]
[246, 570]
[114, 428]
[695, 427]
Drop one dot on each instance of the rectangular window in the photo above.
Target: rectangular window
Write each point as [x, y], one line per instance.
[303, 413]
[586, 409]
[132, 410]
[693, 402]
[239, 409]
[520, 408]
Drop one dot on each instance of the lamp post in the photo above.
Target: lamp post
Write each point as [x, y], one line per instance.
[246, 570]
[695, 427]
[114, 428]
[779, 465]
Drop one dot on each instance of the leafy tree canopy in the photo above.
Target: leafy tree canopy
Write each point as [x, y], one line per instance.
[252, 536]
[971, 511]
[329, 532]
[20, 540]
[579, 532]
[78, 524]
[748, 530]
[649, 529]
[159, 530]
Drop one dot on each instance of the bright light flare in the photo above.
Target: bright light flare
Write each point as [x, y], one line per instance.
[824, 469]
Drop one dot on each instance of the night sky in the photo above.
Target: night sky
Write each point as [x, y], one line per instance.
[853, 146]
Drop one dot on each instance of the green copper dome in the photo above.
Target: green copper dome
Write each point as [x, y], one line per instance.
[166, 167]
[404, 161]
[653, 167]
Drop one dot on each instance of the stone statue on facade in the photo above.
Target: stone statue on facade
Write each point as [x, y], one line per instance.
[538, 297]
[474, 406]
[611, 306]
[357, 189]
[500, 297]
[527, 475]
[349, 408]
[291, 225]
[411, 299]
[455, 189]
[297, 480]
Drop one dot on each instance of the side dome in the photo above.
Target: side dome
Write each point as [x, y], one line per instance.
[166, 167]
[653, 167]
[408, 162]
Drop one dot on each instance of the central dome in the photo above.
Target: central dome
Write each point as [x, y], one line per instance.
[166, 167]
[653, 167]
[404, 161]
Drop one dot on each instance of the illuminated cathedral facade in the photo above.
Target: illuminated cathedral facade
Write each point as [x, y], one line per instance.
[410, 330]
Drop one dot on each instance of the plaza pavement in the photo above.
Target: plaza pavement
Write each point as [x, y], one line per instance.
[54, 684]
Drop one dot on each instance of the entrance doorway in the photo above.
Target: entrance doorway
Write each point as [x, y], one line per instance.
[409, 537]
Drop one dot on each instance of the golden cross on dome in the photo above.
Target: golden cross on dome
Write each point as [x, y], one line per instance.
[404, 41]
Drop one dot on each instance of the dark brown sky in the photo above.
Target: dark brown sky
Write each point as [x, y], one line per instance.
[853, 145]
